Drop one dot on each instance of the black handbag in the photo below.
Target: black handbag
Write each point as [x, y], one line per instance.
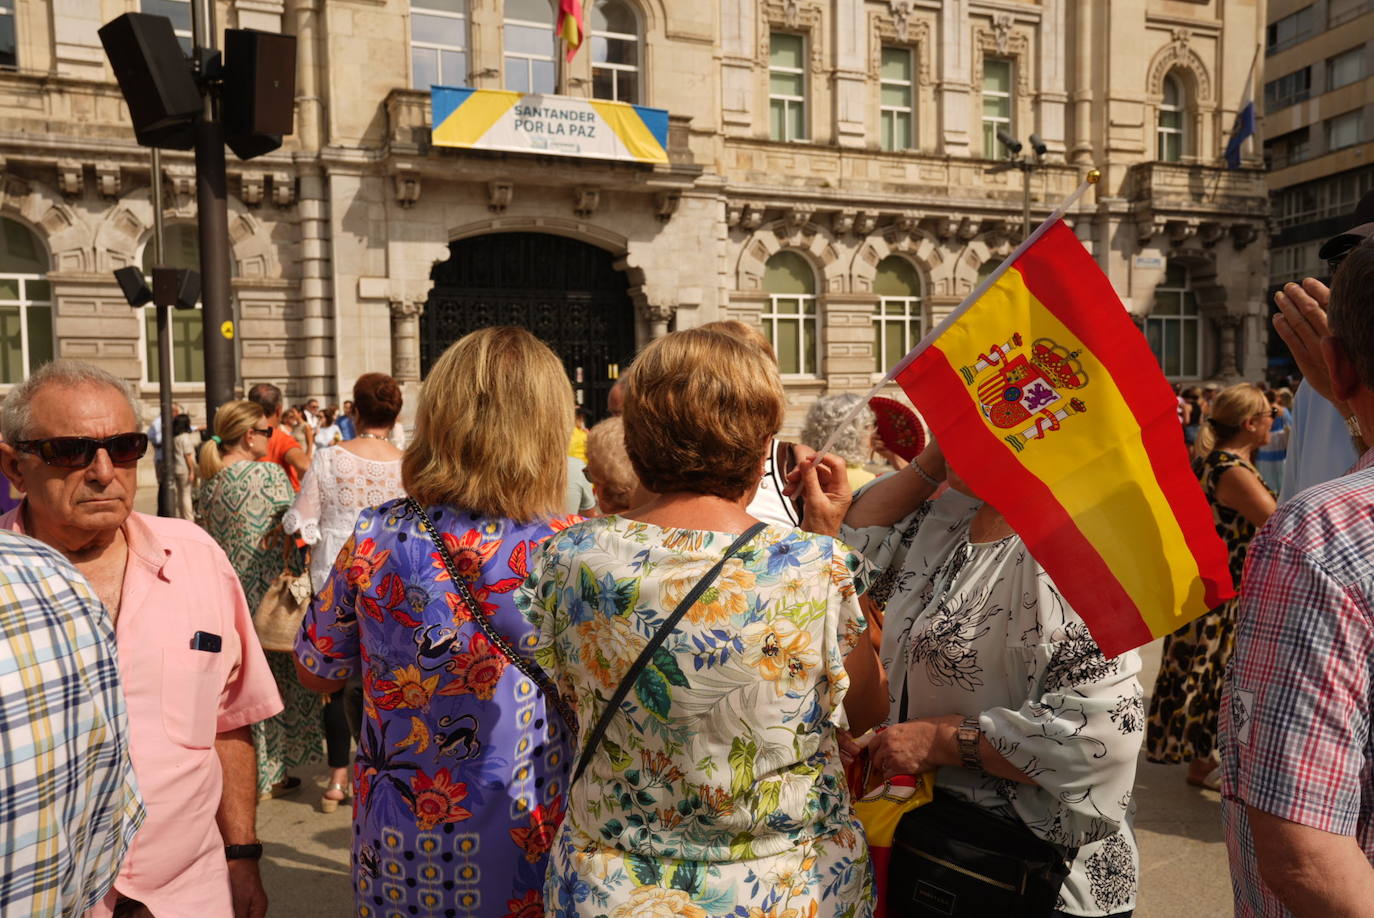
[955, 859]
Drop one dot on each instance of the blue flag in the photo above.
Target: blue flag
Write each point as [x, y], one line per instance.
[1243, 128]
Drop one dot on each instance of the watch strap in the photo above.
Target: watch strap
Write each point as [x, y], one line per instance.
[968, 734]
[238, 852]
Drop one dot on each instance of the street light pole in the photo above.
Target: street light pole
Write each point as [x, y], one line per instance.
[1026, 168]
[212, 217]
[166, 470]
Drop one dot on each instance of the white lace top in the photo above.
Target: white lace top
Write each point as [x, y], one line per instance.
[337, 487]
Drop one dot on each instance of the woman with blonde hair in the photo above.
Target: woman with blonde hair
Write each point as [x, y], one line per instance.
[462, 763]
[614, 482]
[712, 661]
[1182, 723]
[241, 503]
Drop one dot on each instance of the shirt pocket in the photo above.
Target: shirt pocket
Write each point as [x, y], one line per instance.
[192, 681]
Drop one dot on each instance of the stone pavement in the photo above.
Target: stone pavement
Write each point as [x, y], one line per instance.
[1183, 858]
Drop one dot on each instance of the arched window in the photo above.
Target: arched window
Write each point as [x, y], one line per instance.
[1172, 111]
[530, 46]
[898, 319]
[438, 43]
[615, 52]
[1174, 326]
[790, 322]
[26, 336]
[180, 249]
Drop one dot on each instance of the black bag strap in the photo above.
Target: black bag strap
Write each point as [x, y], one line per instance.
[529, 668]
[661, 635]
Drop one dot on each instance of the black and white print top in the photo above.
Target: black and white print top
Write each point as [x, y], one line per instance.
[980, 629]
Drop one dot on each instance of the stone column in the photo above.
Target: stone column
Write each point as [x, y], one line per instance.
[1229, 327]
[658, 315]
[405, 339]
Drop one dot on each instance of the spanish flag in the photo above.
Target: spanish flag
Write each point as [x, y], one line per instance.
[1047, 400]
[571, 25]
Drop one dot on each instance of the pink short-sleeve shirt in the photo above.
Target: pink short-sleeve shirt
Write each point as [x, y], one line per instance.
[177, 584]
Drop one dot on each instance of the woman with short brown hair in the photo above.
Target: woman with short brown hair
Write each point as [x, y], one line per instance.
[462, 762]
[722, 765]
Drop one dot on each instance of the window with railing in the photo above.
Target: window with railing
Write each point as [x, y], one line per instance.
[615, 52]
[791, 322]
[1345, 130]
[438, 43]
[1291, 29]
[1334, 196]
[529, 46]
[897, 103]
[1345, 68]
[898, 317]
[787, 87]
[1288, 89]
[997, 104]
[26, 329]
[1174, 326]
[1287, 149]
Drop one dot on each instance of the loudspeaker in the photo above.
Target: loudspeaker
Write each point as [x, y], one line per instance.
[177, 287]
[259, 93]
[131, 282]
[154, 76]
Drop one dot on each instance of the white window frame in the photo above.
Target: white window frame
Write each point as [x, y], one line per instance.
[807, 314]
[1354, 53]
[23, 303]
[441, 78]
[788, 102]
[145, 342]
[992, 147]
[527, 58]
[1356, 116]
[909, 110]
[1163, 133]
[1185, 296]
[616, 69]
[910, 324]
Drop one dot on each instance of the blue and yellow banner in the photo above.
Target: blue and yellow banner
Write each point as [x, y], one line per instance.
[493, 119]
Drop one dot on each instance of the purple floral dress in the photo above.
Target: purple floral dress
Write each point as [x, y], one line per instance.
[461, 773]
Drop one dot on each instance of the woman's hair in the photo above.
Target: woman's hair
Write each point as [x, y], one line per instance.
[181, 424]
[492, 428]
[823, 418]
[1230, 410]
[233, 420]
[327, 415]
[376, 400]
[749, 334]
[609, 464]
[700, 409]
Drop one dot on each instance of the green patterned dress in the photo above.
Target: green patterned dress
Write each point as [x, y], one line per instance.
[242, 508]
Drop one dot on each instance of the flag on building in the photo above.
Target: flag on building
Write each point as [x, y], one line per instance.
[571, 25]
[1244, 127]
[1046, 399]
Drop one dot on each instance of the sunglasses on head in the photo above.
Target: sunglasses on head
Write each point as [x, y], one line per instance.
[79, 452]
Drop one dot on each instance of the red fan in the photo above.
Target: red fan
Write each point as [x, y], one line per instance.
[900, 429]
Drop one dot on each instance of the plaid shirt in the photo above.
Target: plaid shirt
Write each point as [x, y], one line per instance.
[1295, 717]
[68, 802]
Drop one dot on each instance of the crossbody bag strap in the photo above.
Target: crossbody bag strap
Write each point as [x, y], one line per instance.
[660, 635]
[460, 585]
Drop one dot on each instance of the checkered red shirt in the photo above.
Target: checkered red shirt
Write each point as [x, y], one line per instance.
[1295, 717]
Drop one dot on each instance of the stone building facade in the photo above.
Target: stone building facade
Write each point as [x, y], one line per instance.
[828, 179]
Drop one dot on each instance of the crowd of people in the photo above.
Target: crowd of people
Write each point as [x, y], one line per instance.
[644, 668]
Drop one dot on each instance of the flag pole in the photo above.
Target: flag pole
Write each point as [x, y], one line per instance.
[1092, 178]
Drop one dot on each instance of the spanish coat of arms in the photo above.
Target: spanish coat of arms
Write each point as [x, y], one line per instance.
[1026, 392]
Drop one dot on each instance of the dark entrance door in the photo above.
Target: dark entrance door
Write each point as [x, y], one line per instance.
[564, 291]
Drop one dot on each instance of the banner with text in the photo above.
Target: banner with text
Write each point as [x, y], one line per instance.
[493, 119]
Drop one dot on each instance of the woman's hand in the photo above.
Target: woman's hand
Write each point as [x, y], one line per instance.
[915, 747]
[823, 483]
[888, 456]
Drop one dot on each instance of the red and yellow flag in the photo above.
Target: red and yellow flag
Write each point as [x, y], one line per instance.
[571, 25]
[1048, 402]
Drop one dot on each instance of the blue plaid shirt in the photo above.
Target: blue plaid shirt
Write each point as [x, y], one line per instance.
[69, 805]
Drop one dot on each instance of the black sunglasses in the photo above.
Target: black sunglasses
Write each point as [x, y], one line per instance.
[262, 431]
[79, 452]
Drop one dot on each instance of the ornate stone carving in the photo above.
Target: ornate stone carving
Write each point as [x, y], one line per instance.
[842, 222]
[1003, 40]
[865, 222]
[968, 228]
[1229, 325]
[1179, 54]
[901, 18]
[586, 200]
[283, 189]
[902, 29]
[666, 204]
[795, 15]
[1181, 230]
[499, 195]
[1242, 234]
[1209, 232]
[908, 221]
[1001, 31]
[405, 339]
[182, 178]
[251, 187]
[658, 315]
[70, 177]
[407, 179]
[107, 179]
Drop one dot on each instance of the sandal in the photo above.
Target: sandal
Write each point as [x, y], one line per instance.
[1212, 781]
[329, 804]
[285, 787]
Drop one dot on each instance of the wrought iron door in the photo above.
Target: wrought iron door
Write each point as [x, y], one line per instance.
[566, 292]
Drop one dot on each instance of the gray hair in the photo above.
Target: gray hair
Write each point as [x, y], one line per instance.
[824, 418]
[14, 412]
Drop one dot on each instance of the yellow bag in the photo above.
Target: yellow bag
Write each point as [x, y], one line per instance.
[880, 810]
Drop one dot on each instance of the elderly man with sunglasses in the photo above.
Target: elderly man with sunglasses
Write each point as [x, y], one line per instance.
[193, 673]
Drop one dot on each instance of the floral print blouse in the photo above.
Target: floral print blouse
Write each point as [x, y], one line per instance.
[980, 629]
[718, 789]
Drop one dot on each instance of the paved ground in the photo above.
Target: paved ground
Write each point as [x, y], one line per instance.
[1183, 875]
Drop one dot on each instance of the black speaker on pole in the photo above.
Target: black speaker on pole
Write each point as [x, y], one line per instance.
[176, 287]
[155, 78]
[259, 94]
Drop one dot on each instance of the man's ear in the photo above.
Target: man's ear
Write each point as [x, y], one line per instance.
[9, 464]
[1345, 379]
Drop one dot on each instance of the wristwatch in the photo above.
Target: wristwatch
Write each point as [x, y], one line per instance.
[235, 852]
[968, 734]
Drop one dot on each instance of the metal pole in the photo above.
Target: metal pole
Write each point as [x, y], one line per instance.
[1026, 168]
[213, 220]
[166, 472]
